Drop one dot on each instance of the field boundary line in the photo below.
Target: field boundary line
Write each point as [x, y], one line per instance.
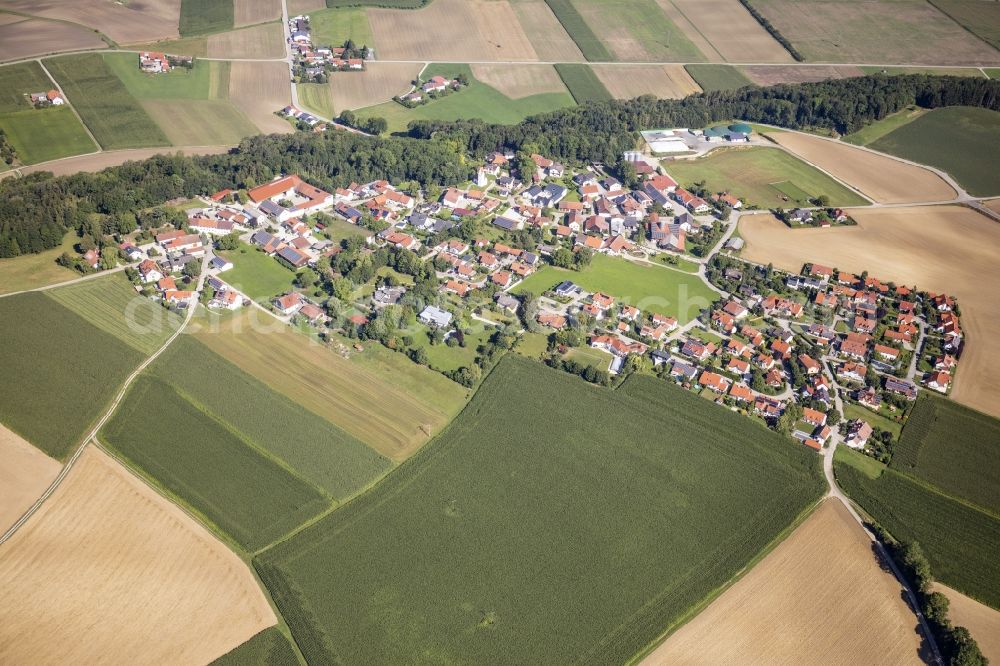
[698, 30]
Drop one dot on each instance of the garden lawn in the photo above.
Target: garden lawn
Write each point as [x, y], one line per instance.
[717, 77]
[853, 410]
[257, 275]
[649, 288]
[40, 135]
[758, 176]
[529, 534]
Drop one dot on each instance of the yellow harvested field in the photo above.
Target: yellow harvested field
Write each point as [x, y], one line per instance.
[6, 19]
[993, 204]
[730, 28]
[25, 473]
[121, 575]
[258, 89]
[451, 30]
[764, 75]
[820, 597]
[203, 121]
[260, 41]
[99, 161]
[551, 41]
[517, 81]
[380, 82]
[880, 177]
[124, 22]
[249, 12]
[950, 249]
[690, 31]
[35, 37]
[982, 621]
[628, 81]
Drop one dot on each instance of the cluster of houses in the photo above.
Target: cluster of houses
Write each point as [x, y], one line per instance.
[155, 62]
[303, 117]
[429, 89]
[464, 267]
[40, 100]
[313, 62]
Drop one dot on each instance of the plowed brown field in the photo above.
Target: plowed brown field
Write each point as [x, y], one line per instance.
[34, 37]
[124, 22]
[108, 571]
[25, 473]
[517, 81]
[628, 81]
[260, 41]
[948, 249]
[821, 597]
[380, 82]
[258, 89]
[248, 12]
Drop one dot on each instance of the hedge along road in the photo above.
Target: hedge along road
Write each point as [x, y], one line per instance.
[114, 403]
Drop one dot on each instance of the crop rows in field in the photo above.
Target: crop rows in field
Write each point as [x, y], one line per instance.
[268, 648]
[718, 77]
[202, 17]
[589, 44]
[475, 550]
[582, 83]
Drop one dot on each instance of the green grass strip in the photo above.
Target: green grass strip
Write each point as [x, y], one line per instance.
[582, 83]
[590, 46]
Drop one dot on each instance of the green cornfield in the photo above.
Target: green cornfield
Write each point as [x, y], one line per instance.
[268, 648]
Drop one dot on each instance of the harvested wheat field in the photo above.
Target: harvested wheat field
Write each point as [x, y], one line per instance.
[982, 621]
[451, 31]
[260, 41]
[730, 28]
[666, 81]
[108, 158]
[124, 22]
[380, 82]
[821, 597]
[25, 473]
[249, 12]
[764, 75]
[258, 89]
[993, 204]
[35, 37]
[551, 41]
[517, 81]
[880, 177]
[121, 575]
[949, 249]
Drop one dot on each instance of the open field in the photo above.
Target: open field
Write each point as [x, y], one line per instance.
[880, 128]
[933, 71]
[51, 398]
[649, 288]
[201, 122]
[772, 75]
[821, 597]
[588, 43]
[123, 22]
[406, 569]
[257, 275]
[315, 97]
[333, 27]
[980, 18]
[959, 540]
[451, 30]
[943, 248]
[518, 81]
[717, 77]
[761, 177]
[954, 448]
[258, 89]
[105, 547]
[25, 473]
[665, 81]
[114, 116]
[268, 648]
[192, 46]
[202, 17]
[873, 32]
[882, 178]
[178, 83]
[249, 12]
[296, 7]
[35, 37]
[93, 163]
[582, 82]
[39, 135]
[18, 81]
[349, 392]
[637, 30]
[244, 493]
[732, 31]
[981, 620]
[259, 41]
[379, 82]
[548, 37]
[30, 271]
[959, 140]
[112, 305]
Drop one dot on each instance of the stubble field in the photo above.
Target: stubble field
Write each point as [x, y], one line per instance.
[25, 473]
[545, 32]
[764, 75]
[259, 41]
[105, 548]
[665, 81]
[517, 81]
[34, 37]
[731, 30]
[249, 12]
[821, 597]
[123, 22]
[378, 83]
[258, 89]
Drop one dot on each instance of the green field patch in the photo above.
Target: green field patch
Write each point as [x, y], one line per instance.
[576, 27]
[245, 494]
[717, 77]
[178, 83]
[112, 305]
[316, 97]
[268, 648]
[637, 31]
[59, 371]
[312, 447]
[992, 72]
[30, 271]
[749, 173]
[960, 541]
[649, 288]
[18, 81]
[333, 27]
[202, 17]
[953, 448]
[528, 518]
[582, 82]
[590, 356]
[532, 345]
[859, 461]
[200, 122]
[982, 19]
[40, 135]
[880, 128]
[794, 193]
[115, 118]
[958, 139]
[442, 357]
[257, 275]
[192, 46]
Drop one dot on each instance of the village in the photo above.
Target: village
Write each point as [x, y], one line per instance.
[314, 62]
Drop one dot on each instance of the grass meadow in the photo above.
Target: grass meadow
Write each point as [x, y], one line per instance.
[979, 18]
[113, 115]
[589, 44]
[18, 81]
[202, 17]
[40, 135]
[333, 27]
[649, 288]
[582, 83]
[530, 533]
[268, 648]
[717, 77]
[257, 275]
[59, 371]
[29, 271]
[880, 128]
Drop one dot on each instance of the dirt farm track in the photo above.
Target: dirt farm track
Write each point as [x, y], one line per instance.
[25, 473]
[105, 547]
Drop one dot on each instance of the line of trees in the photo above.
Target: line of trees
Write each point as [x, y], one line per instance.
[767, 25]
